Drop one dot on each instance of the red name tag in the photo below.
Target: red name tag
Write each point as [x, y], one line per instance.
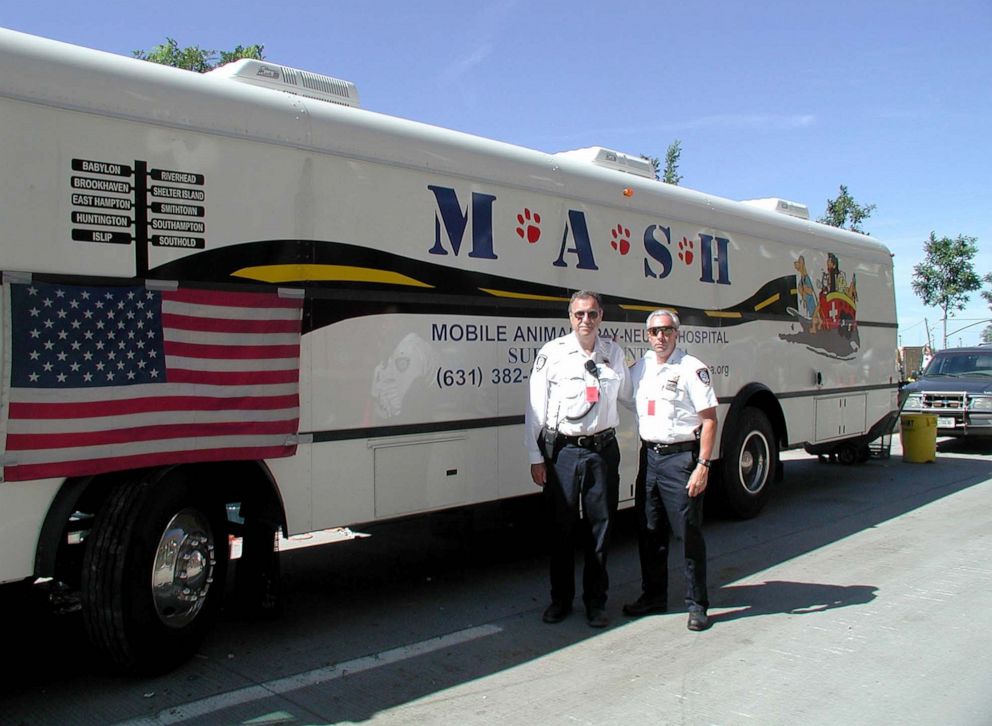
[651, 407]
[592, 394]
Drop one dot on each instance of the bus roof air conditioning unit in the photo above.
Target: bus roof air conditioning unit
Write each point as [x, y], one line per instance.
[782, 206]
[615, 160]
[290, 80]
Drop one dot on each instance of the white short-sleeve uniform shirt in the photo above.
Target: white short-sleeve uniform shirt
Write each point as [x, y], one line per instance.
[668, 396]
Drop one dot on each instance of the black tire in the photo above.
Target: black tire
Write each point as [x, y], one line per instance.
[153, 572]
[847, 454]
[749, 464]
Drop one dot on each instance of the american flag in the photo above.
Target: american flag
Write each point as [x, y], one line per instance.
[109, 378]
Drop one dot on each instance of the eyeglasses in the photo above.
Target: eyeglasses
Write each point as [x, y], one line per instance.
[661, 330]
[592, 314]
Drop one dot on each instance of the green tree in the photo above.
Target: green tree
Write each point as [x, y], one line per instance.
[946, 277]
[655, 164]
[846, 213]
[987, 294]
[671, 174]
[194, 58]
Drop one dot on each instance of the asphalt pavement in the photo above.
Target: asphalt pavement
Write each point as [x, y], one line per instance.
[861, 595]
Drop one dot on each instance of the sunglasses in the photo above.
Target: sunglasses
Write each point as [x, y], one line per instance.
[662, 330]
[592, 314]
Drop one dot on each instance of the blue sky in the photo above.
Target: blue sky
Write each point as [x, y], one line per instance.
[892, 98]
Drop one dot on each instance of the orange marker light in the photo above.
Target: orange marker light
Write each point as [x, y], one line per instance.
[628, 192]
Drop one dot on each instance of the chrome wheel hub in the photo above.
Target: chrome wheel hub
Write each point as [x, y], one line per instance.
[183, 569]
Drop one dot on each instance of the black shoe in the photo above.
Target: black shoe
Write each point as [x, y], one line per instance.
[698, 620]
[645, 605]
[556, 612]
[596, 617]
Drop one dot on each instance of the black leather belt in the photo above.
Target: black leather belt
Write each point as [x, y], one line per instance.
[671, 448]
[595, 442]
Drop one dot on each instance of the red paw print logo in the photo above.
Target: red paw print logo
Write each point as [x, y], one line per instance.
[685, 251]
[621, 239]
[529, 229]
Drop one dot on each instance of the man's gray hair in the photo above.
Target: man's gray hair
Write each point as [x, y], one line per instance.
[665, 311]
[582, 294]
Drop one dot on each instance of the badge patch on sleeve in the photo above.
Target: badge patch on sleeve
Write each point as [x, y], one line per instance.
[539, 363]
[704, 375]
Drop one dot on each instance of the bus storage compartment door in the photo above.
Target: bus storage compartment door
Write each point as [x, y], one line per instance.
[422, 473]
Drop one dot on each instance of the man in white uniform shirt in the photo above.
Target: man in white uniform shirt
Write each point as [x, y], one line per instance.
[676, 420]
[570, 435]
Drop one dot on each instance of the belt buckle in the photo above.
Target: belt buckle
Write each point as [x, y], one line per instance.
[584, 440]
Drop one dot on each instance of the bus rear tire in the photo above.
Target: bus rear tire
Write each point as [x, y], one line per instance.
[749, 465]
[153, 572]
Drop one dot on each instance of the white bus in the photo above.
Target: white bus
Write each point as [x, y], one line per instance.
[240, 294]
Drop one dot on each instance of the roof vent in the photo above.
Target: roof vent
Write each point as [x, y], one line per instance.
[612, 160]
[782, 206]
[290, 80]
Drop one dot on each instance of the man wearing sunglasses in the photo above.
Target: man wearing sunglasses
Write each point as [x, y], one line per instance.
[570, 435]
[676, 420]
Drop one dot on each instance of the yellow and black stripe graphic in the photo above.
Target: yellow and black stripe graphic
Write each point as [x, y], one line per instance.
[362, 281]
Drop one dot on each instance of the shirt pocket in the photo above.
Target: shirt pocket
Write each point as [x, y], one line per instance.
[609, 383]
[572, 396]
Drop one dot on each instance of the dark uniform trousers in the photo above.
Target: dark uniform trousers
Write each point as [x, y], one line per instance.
[576, 473]
[665, 511]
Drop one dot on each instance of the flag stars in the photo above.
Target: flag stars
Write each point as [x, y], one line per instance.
[73, 336]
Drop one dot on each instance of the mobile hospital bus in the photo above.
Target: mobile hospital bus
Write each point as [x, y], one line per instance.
[238, 303]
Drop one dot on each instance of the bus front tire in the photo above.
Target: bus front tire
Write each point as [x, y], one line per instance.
[749, 465]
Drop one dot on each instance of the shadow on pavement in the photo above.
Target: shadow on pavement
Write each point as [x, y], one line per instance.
[420, 579]
[796, 598]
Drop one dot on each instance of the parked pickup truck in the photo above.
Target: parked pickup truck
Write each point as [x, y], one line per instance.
[956, 387]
